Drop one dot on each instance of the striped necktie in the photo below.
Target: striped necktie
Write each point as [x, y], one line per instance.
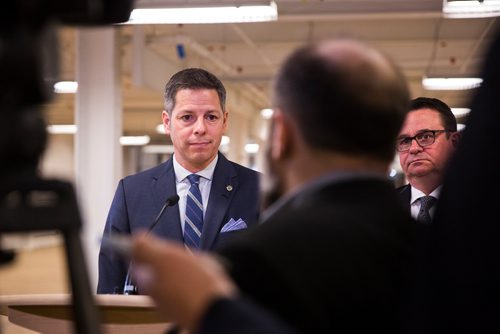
[426, 203]
[194, 214]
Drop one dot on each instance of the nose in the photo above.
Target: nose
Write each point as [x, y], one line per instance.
[415, 147]
[199, 126]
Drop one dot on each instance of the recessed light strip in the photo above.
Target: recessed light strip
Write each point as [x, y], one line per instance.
[71, 129]
[226, 14]
[471, 9]
[66, 87]
[451, 83]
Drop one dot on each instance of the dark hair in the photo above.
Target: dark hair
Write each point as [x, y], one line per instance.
[354, 107]
[192, 78]
[447, 118]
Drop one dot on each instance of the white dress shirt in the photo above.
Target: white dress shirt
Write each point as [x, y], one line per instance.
[182, 185]
[415, 203]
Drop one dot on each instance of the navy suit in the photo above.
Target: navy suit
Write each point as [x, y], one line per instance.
[140, 197]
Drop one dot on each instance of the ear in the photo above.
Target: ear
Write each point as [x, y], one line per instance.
[455, 138]
[225, 117]
[281, 136]
[166, 121]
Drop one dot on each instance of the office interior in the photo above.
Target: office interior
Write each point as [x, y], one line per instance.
[121, 71]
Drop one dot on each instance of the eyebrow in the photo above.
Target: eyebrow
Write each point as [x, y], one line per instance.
[416, 133]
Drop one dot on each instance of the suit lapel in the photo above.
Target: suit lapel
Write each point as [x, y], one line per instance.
[163, 187]
[224, 185]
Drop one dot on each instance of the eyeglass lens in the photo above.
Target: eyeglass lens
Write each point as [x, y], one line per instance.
[425, 138]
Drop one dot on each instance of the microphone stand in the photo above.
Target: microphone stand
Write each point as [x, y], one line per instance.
[129, 287]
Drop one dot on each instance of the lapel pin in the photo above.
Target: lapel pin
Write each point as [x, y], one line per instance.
[229, 187]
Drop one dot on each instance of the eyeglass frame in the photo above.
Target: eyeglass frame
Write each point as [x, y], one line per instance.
[415, 138]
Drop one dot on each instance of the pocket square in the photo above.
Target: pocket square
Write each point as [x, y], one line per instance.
[233, 225]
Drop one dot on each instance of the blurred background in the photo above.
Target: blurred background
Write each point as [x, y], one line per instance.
[107, 123]
[246, 56]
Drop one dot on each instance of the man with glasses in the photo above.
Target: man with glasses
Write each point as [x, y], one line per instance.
[425, 143]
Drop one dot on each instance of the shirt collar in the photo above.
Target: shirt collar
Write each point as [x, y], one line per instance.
[181, 173]
[416, 194]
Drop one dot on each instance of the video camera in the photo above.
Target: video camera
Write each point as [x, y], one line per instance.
[28, 69]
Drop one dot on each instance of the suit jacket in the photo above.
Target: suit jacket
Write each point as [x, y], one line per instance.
[335, 260]
[139, 198]
[230, 316]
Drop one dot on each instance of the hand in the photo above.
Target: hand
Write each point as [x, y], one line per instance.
[183, 284]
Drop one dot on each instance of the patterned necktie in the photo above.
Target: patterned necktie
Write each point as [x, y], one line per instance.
[426, 203]
[194, 214]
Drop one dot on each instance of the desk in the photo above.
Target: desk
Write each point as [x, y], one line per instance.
[52, 313]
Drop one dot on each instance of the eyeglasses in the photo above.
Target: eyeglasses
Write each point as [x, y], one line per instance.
[424, 138]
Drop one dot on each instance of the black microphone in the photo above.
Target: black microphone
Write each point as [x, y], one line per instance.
[129, 287]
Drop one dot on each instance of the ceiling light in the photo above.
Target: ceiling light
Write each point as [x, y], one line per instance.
[224, 141]
[260, 11]
[65, 87]
[460, 126]
[134, 140]
[471, 8]
[252, 148]
[158, 149]
[451, 83]
[224, 144]
[62, 129]
[267, 113]
[160, 129]
[459, 112]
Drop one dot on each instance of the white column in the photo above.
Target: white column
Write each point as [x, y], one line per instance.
[99, 120]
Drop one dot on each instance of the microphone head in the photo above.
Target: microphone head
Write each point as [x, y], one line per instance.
[172, 200]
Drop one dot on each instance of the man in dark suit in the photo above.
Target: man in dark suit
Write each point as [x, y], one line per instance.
[425, 144]
[195, 118]
[335, 253]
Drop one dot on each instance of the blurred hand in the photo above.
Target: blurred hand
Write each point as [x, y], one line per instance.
[183, 284]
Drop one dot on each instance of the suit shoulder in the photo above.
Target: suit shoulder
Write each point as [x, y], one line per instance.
[245, 171]
[155, 171]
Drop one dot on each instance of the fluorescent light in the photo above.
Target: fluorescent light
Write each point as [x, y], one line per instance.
[224, 144]
[66, 87]
[393, 172]
[451, 83]
[460, 126]
[134, 140]
[158, 149]
[267, 113]
[211, 14]
[160, 129]
[225, 141]
[471, 8]
[459, 112]
[252, 148]
[62, 129]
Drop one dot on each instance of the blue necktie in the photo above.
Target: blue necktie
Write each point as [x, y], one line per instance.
[426, 203]
[194, 214]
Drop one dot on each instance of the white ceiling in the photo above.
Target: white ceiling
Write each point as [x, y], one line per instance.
[246, 56]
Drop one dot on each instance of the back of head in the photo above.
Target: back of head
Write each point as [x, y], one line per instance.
[192, 78]
[447, 117]
[344, 96]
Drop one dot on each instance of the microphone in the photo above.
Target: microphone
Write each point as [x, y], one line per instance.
[129, 287]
